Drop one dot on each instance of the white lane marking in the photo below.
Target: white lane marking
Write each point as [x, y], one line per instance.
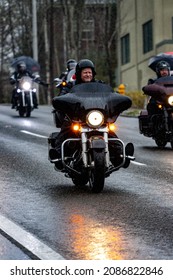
[138, 163]
[27, 241]
[33, 134]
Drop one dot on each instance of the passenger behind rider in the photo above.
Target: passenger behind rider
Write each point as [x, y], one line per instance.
[162, 70]
[14, 80]
[85, 73]
[71, 64]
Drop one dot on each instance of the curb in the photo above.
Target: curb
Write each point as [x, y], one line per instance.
[132, 113]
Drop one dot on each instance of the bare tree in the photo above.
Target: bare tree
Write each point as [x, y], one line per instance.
[73, 11]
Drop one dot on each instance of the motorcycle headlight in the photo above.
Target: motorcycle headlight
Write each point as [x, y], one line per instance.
[95, 119]
[26, 85]
[170, 100]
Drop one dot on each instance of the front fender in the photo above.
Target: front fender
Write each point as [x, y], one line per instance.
[97, 142]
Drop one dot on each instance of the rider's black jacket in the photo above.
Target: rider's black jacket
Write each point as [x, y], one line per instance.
[152, 81]
[17, 75]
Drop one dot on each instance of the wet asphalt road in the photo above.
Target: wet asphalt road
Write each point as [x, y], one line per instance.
[131, 219]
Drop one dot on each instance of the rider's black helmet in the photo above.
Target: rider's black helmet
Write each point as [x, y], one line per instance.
[71, 64]
[162, 65]
[84, 63]
[21, 66]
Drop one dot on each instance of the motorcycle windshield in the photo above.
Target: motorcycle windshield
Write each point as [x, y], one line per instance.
[165, 81]
[161, 89]
[90, 96]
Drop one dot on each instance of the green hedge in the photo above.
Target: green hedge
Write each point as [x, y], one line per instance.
[138, 99]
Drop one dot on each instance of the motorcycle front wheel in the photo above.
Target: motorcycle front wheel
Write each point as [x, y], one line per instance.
[161, 143]
[21, 111]
[28, 111]
[171, 144]
[171, 138]
[97, 174]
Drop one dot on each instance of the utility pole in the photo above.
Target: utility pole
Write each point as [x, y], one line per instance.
[51, 48]
[34, 37]
[34, 30]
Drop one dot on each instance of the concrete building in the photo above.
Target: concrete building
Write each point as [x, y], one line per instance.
[145, 28]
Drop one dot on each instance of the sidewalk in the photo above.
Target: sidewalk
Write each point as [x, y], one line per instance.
[131, 112]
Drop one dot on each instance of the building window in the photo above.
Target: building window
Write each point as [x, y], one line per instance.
[125, 49]
[147, 36]
[88, 30]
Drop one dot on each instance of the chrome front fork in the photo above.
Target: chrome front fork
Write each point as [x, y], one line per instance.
[31, 98]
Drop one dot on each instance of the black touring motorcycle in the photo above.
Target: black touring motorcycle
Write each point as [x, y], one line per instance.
[92, 109]
[159, 124]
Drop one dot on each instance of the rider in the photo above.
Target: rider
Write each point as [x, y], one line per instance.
[162, 70]
[85, 73]
[16, 76]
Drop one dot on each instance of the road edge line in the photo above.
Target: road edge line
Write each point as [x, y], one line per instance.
[27, 242]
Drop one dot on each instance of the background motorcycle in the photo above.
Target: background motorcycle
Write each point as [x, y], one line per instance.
[25, 94]
[92, 109]
[159, 125]
[60, 83]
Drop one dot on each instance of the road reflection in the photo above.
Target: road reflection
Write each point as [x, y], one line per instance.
[25, 122]
[94, 241]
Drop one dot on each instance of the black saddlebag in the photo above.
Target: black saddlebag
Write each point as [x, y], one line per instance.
[145, 126]
[52, 138]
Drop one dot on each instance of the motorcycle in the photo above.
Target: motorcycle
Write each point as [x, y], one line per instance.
[159, 124]
[25, 94]
[60, 83]
[92, 154]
